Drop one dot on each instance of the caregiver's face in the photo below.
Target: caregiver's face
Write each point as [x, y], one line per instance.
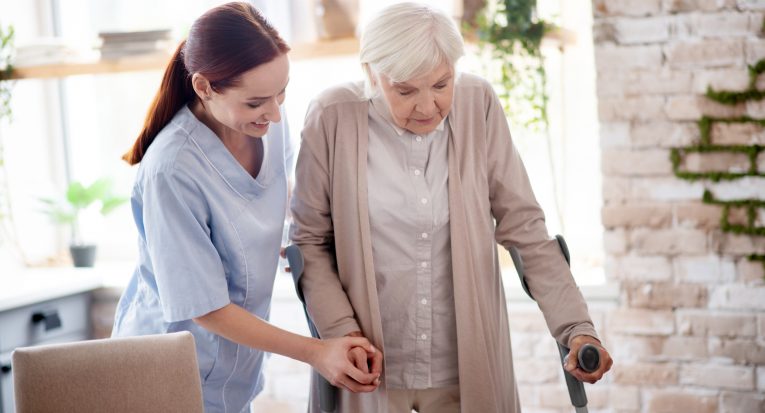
[419, 104]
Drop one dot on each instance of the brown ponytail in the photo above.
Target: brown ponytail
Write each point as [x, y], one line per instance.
[174, 92]
[222, 44]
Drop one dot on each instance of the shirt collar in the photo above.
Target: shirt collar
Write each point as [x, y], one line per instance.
[220, 157]
[379, 105]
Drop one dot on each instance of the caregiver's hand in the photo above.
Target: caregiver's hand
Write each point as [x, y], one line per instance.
[331, 361]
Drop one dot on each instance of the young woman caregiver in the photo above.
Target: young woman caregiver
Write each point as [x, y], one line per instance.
[209, 202]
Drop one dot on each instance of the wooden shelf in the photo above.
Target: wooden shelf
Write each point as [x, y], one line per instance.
[158, 61]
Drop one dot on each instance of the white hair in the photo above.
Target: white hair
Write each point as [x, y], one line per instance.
[407, 40]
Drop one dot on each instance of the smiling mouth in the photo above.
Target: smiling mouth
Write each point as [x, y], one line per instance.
[261, 125]
[428, 120]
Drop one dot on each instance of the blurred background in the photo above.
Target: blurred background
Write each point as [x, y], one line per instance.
[640, 123]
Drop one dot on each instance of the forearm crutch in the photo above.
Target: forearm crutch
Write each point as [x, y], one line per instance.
[588, 357]
[327, 392]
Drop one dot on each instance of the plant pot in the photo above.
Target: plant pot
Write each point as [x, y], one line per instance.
[83, 255]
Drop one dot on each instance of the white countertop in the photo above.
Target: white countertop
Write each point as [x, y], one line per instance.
[24, 286]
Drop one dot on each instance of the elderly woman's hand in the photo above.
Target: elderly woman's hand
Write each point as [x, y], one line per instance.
[364, 361]
[572, 364]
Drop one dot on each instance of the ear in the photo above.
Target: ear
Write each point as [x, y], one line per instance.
[201, 86]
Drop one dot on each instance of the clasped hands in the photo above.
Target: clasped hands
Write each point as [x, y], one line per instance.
[351, 363]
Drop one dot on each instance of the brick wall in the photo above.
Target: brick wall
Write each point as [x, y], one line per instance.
[689, 332]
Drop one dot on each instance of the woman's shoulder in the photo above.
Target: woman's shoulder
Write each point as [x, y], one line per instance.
[468, 82]
[344, 93]
[166, 152]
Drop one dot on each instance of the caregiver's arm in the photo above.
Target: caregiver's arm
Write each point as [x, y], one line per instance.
[329, 357]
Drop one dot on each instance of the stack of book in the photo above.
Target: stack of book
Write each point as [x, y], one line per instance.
[115, 45]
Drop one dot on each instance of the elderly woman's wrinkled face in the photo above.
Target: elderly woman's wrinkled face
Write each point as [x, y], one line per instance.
[419, 104]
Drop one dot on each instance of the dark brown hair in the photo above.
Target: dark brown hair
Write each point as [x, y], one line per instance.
[222, 44]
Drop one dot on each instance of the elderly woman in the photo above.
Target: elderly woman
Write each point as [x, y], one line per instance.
[404, 185]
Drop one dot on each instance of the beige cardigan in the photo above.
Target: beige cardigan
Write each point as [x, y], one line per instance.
[487, 182]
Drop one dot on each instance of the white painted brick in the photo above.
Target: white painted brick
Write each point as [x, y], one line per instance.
[554, 396]
[664, 134]
[649, 162]
[624, 397]
[685, 348]
[709, 323]
[668, 241]
[611, 57]
[761, 326]
[745, 133]
[631, 108]
[641, 322]
[663, 296]
[737, 297]
[754, 50]
[756, 23]
[666, 189]
[646, 374]
[643, 30]
[697, 5]
[644, 82]
[614, 134]
[697, 53]
[533, 371]
[629, 348]
[616, 188]
[637, 214]
[709, 269]
[751, 4]
[615, 241]
[750, 271]
[737, 402]
[720, 79]
[697, 215]
[738, 351]
[717, 376]
[693, 107]
[675, 401]
[755, 109]
[641, 268]
[626, 7]
[734, 244]
[703, 162]
[723, 24]
[751, 187]
[761, 379]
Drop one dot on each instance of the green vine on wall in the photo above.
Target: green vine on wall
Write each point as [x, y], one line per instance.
[6, 68]
[512, 32]
[705, 145]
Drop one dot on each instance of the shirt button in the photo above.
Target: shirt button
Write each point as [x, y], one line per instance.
[424, 264]
[424, 201]
[424, 301]
[418, 139]
[417, 172]
[424, 235]
[424, 336]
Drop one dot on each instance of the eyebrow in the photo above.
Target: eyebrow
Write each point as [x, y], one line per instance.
[407, 85]
[268, 97]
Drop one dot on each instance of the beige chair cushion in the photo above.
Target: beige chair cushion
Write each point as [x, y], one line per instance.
[156, 373]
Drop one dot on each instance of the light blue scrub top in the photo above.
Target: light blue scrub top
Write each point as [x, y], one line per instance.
[209, 235]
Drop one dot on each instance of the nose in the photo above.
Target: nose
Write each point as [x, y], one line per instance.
[272, 113]
[426, 105]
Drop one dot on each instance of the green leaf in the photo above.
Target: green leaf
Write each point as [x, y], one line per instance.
[110, 203]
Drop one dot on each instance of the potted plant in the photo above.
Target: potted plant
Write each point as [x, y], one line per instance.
[78, 197]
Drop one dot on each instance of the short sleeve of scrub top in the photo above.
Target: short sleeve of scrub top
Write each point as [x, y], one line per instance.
[190, 277]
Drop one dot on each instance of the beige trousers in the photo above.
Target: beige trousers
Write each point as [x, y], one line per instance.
[440, 400]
